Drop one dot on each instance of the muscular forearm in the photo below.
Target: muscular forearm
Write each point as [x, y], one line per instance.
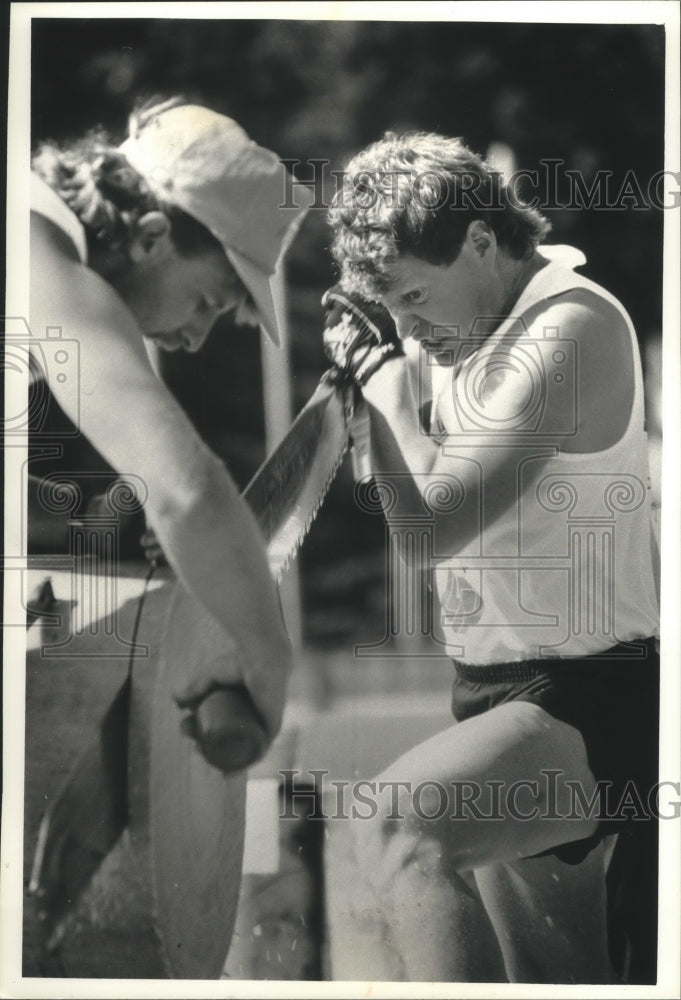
[400, 448]
[212, 541]
[423, 478]
[391, 400]
[207, 532]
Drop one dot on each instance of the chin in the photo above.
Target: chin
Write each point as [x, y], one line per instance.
[170, 346]
[164, 342]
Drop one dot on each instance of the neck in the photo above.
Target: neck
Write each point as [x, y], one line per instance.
[515, 276]
[512, 277]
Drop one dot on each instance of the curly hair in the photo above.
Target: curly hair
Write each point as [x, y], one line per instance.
[416, 193]
[108, 196]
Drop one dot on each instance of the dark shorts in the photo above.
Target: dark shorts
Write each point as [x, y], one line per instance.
[612, 699]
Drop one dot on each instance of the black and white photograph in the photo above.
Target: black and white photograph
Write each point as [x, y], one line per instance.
[341, 563]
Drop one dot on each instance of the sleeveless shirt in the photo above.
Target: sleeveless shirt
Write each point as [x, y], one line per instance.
[569, 568]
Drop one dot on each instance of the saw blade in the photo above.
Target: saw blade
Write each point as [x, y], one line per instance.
[288, 489]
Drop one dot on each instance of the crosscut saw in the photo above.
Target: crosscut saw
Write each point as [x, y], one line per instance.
[88, 814]
[290, 486]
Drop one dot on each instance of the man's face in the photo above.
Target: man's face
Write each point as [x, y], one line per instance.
[434, 303]
[428, 300]
[176, 299]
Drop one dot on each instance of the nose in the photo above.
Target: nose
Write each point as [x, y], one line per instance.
[195, 334]
[193, 340]
[404, 324]
[407, 324]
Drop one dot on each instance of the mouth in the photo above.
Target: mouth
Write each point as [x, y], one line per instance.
[437, 351]
[425, 342]
[423, 334]
[430, 345]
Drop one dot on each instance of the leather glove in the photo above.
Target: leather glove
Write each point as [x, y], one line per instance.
[359, 336]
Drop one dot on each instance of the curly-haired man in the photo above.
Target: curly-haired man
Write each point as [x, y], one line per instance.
[140, 248]
[493, 867]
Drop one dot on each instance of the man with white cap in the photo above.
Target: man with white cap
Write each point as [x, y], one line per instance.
[144, 246]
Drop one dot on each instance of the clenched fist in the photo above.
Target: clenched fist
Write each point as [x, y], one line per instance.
[359, 336]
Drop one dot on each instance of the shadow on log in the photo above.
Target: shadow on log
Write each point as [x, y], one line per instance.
[162, 902]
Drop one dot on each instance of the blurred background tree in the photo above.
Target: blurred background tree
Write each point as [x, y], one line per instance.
[591, 96]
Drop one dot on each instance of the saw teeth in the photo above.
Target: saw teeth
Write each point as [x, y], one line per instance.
[278, 576]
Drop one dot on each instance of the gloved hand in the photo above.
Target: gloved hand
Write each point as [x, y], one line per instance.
[359, 336]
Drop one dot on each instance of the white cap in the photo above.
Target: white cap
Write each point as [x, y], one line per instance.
[204, 163]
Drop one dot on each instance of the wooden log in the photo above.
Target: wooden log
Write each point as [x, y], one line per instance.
[195, 812]
[163, 902]
[67, 697]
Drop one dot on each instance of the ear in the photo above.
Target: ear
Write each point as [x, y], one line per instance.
[480, 238]
[151, 238]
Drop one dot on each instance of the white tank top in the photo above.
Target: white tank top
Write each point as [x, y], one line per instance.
[569, 569]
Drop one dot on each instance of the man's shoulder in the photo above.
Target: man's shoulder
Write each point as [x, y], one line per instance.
[584, 319]
[577, 310]
[65, 290]
[50, 243]
[53, 217]
[587, 344]
[556, 359]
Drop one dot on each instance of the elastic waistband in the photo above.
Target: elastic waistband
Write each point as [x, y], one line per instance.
[502, 673]
[521, 671]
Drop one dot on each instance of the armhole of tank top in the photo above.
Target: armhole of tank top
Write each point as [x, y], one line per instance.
[581, 284]
[637, 410]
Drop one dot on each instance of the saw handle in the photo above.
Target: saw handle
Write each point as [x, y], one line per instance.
[227, 729]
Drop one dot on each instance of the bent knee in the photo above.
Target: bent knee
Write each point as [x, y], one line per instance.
[412, 832]
[387, 854]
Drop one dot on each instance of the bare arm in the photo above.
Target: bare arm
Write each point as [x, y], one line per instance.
[483, 467]
[207, 532]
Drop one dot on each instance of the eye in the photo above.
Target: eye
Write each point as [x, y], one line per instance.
[417, 295]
